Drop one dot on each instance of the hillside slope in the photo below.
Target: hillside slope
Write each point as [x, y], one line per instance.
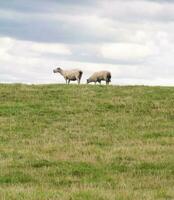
[86, 142]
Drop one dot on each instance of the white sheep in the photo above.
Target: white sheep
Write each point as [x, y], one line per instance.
[70, 75]
[100, 76]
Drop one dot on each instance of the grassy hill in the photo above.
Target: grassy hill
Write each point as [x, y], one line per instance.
[86, 142]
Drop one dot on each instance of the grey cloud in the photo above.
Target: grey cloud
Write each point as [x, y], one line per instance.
[143, 11]
[43, 5]
[28, 26]
[51, 30]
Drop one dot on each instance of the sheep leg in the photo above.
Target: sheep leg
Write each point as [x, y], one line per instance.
[68, 81]
[78, 80]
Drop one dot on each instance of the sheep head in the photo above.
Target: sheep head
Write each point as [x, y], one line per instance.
[57, 70]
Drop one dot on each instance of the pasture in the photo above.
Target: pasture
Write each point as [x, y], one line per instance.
[86, 142]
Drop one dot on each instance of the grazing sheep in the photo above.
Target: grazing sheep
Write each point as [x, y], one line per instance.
[70, 75]
[100, 76]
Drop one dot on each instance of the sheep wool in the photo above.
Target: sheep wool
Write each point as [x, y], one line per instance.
[100, 76]
[70, 75]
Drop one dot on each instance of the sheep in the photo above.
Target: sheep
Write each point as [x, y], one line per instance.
[70, 75]
[100, 76]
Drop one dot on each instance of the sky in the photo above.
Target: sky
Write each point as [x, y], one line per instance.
[134, 39]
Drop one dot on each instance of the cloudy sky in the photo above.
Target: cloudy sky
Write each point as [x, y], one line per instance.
[134, 39]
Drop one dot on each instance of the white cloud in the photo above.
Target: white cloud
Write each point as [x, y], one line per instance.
[5, 45]
[10, 47]
[138, 10]
[126, 51]
[51, 48]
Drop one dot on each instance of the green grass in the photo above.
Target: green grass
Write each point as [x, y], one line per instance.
[86, 142]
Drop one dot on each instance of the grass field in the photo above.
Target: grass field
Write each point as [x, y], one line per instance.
[87, 142]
